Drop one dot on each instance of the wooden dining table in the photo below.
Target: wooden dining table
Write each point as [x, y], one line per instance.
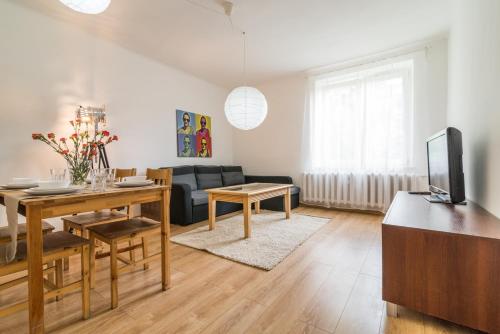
[41, 207]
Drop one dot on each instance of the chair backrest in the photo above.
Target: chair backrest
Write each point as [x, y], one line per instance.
[160, 176]
[122, 173]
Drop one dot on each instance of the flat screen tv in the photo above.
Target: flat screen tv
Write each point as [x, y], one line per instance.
[445, 168]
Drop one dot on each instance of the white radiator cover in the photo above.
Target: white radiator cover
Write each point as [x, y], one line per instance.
[357, 191]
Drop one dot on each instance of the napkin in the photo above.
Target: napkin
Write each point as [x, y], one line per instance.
[8, 250]
[134, 178]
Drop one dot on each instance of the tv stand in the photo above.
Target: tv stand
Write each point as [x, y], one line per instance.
[440, 198]
[442, 260]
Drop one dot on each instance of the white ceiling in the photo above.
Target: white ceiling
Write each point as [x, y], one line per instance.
[283, 36]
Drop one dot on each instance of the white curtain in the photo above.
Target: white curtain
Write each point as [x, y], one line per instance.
[359, 137]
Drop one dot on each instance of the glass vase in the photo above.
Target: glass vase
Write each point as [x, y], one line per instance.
[78, 172]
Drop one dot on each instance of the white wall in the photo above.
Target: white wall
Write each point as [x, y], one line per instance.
[474, 106]
[48, 67]
[275, 146]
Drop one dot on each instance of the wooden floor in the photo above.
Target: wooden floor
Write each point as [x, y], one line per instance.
[330, 284]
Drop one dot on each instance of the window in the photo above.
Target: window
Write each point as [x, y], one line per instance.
[362, 121]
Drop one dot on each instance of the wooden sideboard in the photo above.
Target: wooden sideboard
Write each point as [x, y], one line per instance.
[442, 260]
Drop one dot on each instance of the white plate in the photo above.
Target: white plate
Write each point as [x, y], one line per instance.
[56, 191]
[139, 178]
[20, 185]
[47, 184]
[127, 184]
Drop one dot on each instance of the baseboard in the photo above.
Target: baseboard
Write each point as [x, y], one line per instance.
[371, 212]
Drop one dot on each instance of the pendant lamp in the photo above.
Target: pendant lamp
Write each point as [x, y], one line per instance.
[245, 107]
[87, 6]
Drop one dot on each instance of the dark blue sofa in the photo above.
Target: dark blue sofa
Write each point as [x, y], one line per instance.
[189, 202]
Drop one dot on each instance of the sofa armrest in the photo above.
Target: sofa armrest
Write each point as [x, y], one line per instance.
[268, 179]
[180, 206]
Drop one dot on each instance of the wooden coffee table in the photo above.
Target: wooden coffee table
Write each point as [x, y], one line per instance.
[247, 194]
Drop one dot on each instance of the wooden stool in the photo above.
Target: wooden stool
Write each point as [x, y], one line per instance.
[114, 233]
[56, 247]
[80, 223]
[117, 232]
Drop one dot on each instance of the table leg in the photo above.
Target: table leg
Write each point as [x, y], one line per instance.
[287, 203]
[165, 239]
[247, 214]
[212, 207]
[35, 268]
[257, 207]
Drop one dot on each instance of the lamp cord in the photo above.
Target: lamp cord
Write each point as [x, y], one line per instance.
[244, 58]
[197, 4]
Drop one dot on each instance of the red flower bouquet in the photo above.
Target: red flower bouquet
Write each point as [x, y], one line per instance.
[78, 149]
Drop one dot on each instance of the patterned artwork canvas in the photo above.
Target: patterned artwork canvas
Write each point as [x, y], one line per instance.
[194, 135]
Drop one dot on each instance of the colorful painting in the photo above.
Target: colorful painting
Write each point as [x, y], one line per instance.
[194, 135]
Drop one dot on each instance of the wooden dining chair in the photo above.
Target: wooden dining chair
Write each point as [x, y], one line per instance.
[117, 232]
[56, 247]
[80, 223]
[120, 174]
[21, 231]
[21, 235]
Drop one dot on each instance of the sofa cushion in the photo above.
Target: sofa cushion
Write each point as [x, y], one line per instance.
[207, 181]
[207, 169]
[180, 170]
[232, 175]
[232, 178]
[189, 179]
[199, 197]
[208, 177]
[232, 169]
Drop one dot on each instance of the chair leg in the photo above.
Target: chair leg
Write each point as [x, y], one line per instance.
[132, 252]
[92, 260]
[66, 259]
[85, 256]
[145, 251]
[114, 275]
[59, 277]
[51, 277]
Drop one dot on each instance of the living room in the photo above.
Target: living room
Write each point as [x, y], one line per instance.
[210, 166]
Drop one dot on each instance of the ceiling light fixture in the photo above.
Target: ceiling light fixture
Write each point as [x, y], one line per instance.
[87, 6]
[245, 107]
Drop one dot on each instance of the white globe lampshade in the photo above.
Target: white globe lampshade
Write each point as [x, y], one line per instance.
[246, 108]
[87, 6]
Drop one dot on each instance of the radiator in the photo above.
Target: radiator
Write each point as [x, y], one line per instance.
[357, 191]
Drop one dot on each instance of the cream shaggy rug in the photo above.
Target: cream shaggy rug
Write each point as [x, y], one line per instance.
[273, 237]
